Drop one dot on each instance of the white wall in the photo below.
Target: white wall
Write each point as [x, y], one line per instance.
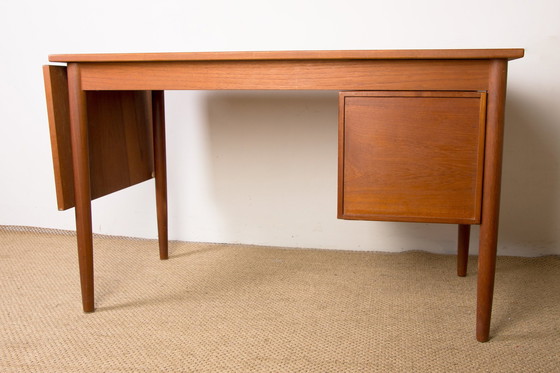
[260, 168]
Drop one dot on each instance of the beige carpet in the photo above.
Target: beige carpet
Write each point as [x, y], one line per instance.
[238, 308]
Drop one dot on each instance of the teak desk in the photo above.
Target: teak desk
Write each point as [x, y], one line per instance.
[420, 133]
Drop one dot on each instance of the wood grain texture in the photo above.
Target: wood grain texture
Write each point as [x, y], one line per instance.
[294, 55]
[488, 240]
[82, 188]
[120, 149]
[56, 89]
[412, 158]
[120, 140]
[288, 75]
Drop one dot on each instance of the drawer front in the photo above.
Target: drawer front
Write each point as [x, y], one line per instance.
[411, 156]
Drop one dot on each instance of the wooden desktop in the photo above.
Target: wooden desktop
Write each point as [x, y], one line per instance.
[420, 134]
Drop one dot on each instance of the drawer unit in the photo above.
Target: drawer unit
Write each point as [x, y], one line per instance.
[411, 156]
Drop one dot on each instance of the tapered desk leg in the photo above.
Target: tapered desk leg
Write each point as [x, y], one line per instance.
[80, 160]
[158, 113]
[491, 198]
[463, 249]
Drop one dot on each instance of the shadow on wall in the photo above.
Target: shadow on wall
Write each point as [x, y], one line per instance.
[274, 160]
[274, 174]
[529, 218]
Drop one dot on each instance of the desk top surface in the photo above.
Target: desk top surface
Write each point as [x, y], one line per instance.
[417, 54]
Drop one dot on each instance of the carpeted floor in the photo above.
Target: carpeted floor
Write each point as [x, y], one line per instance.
[239, 308]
